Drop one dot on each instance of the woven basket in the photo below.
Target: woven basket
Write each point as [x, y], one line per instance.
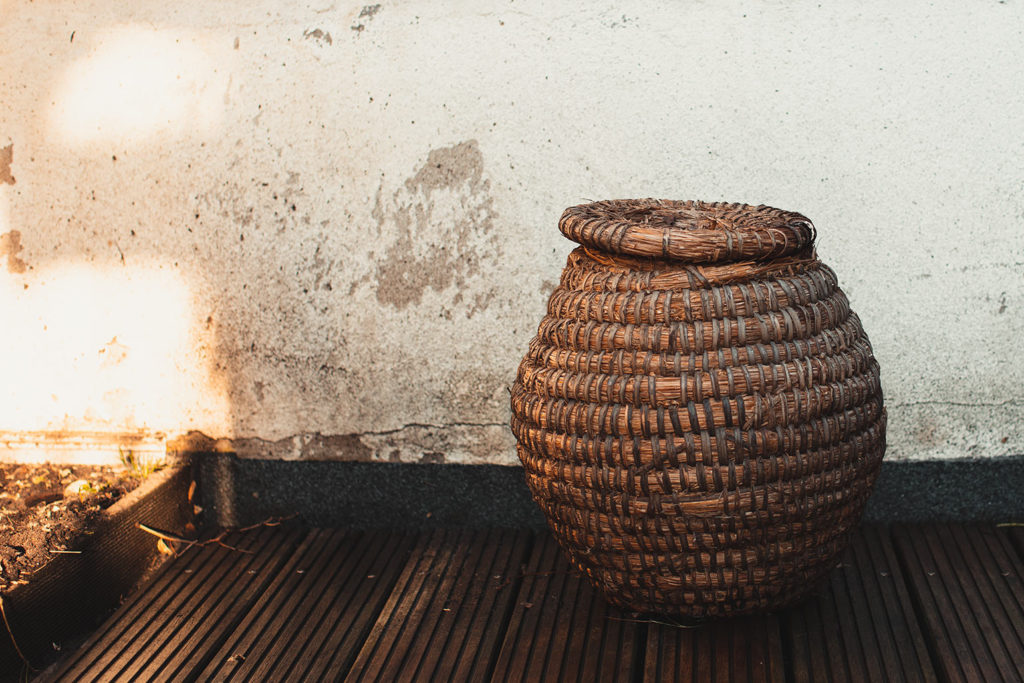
[700, 415]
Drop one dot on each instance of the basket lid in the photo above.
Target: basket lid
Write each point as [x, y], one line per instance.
[688, 231]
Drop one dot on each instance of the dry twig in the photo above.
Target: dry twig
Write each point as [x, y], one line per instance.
[660, 622]
[218, 539]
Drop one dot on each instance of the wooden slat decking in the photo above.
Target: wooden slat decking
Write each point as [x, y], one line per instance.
[863, 627]
[908, 603]
[559, 629]
[967, 582]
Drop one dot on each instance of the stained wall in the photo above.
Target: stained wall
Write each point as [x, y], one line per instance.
[328, 230]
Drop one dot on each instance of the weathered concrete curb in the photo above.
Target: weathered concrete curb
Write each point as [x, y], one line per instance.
[241, 491]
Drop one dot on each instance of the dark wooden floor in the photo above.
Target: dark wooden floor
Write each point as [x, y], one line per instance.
[928, 603]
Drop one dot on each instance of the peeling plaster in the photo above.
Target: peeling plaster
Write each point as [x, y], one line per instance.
[318, 35]
[456, 443]
[384, 297]
[6, 159]
[442, 220]
[368, 13]
[10, 246]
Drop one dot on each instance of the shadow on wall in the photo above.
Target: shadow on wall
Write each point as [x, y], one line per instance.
[250, 306]
[363, 321]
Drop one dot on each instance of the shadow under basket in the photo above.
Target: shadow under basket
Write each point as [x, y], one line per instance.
[700, 415]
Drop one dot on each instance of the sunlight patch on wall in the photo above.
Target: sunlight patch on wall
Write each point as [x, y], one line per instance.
[106, 351]
[135, 82]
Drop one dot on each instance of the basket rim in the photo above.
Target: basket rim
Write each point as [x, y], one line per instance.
[688, 231]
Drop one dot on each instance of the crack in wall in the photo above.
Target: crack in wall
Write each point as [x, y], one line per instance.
[957, 404]
[427, 425]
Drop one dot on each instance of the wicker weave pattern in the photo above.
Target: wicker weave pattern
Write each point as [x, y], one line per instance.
[700, 415]
[687, 232]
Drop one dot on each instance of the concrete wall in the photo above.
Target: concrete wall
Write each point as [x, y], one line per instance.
[328, 230]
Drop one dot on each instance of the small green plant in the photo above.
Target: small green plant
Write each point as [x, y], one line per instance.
[82, 488]
[138, 465]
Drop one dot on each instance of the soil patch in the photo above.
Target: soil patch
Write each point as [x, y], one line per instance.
[49, 509]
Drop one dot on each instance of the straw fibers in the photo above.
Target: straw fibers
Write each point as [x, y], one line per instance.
[699, 416]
